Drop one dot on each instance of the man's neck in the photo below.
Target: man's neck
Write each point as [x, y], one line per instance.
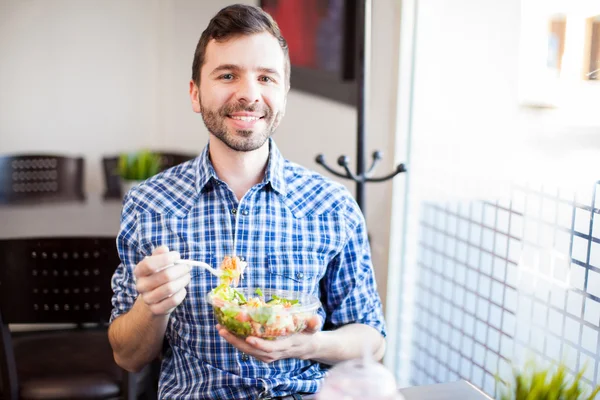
[240, 170]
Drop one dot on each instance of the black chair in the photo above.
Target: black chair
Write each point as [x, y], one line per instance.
[110, 165]
[60, 281]
[36, 178]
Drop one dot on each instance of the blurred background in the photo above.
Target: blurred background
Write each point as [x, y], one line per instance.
[485, 252]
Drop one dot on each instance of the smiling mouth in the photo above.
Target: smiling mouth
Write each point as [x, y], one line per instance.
[245, 118]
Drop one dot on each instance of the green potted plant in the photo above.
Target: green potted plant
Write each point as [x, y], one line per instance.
[552, 383]
[136, 167]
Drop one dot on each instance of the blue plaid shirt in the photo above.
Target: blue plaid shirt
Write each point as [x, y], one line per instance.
[297, 230]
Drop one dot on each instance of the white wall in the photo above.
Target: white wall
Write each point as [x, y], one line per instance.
[78, 77]
[95, 77]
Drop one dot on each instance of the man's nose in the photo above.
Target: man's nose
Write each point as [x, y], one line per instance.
[248, 92]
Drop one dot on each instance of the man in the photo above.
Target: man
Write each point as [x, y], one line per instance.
[294, 228]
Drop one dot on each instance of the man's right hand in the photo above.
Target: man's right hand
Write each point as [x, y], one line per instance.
[160, 284]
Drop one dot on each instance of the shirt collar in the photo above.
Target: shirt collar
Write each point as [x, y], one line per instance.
[206, 172]
[275, 169]
[274, 174]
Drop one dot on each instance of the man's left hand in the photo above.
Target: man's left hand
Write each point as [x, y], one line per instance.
[301, 345]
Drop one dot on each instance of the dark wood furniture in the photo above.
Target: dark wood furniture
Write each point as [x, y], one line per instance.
[59, 281]
[74, 225]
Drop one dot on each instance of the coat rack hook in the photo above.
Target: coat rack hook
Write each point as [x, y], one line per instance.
[344, 162]
[377, 156]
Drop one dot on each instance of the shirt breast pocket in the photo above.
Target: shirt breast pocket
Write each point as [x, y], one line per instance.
[298, 271]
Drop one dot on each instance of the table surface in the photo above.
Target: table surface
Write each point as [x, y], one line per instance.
[460, 390]
[92, 217]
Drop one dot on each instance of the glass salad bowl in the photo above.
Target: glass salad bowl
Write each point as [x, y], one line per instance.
[265, 313]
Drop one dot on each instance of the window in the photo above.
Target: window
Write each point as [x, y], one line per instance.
[560, 55]
[556, 41]
[593, 48]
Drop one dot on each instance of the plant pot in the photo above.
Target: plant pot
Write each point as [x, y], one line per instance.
[126, 185]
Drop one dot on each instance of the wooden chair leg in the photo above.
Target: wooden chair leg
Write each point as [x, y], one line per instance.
[8, 367]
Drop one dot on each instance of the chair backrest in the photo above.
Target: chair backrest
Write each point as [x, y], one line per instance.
[35, 178]
[110, 166]
[56, 280]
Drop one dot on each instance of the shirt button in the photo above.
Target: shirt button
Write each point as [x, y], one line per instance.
[245, 212]
[245, 357]
[233, 210]
[242, 258]
[299, 275]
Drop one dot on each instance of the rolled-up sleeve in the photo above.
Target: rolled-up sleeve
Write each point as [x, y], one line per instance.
[349, 287]
[123, 283]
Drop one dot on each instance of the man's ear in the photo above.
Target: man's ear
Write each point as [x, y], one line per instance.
[195, 97]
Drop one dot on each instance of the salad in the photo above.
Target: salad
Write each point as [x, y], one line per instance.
[264, 313]
[233, 268]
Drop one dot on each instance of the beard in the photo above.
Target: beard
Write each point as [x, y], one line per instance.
[240, 140]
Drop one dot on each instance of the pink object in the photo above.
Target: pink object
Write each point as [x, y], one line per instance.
[362, 379]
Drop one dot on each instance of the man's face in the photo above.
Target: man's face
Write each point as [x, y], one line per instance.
[242, 91]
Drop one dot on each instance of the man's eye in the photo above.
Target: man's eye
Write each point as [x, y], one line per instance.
[227, 77]
[265, 79]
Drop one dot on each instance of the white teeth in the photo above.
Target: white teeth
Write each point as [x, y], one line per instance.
[248, 119]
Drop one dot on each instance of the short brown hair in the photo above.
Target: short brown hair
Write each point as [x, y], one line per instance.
[236, 20]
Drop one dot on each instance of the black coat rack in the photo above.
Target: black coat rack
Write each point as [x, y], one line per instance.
[362, 61]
